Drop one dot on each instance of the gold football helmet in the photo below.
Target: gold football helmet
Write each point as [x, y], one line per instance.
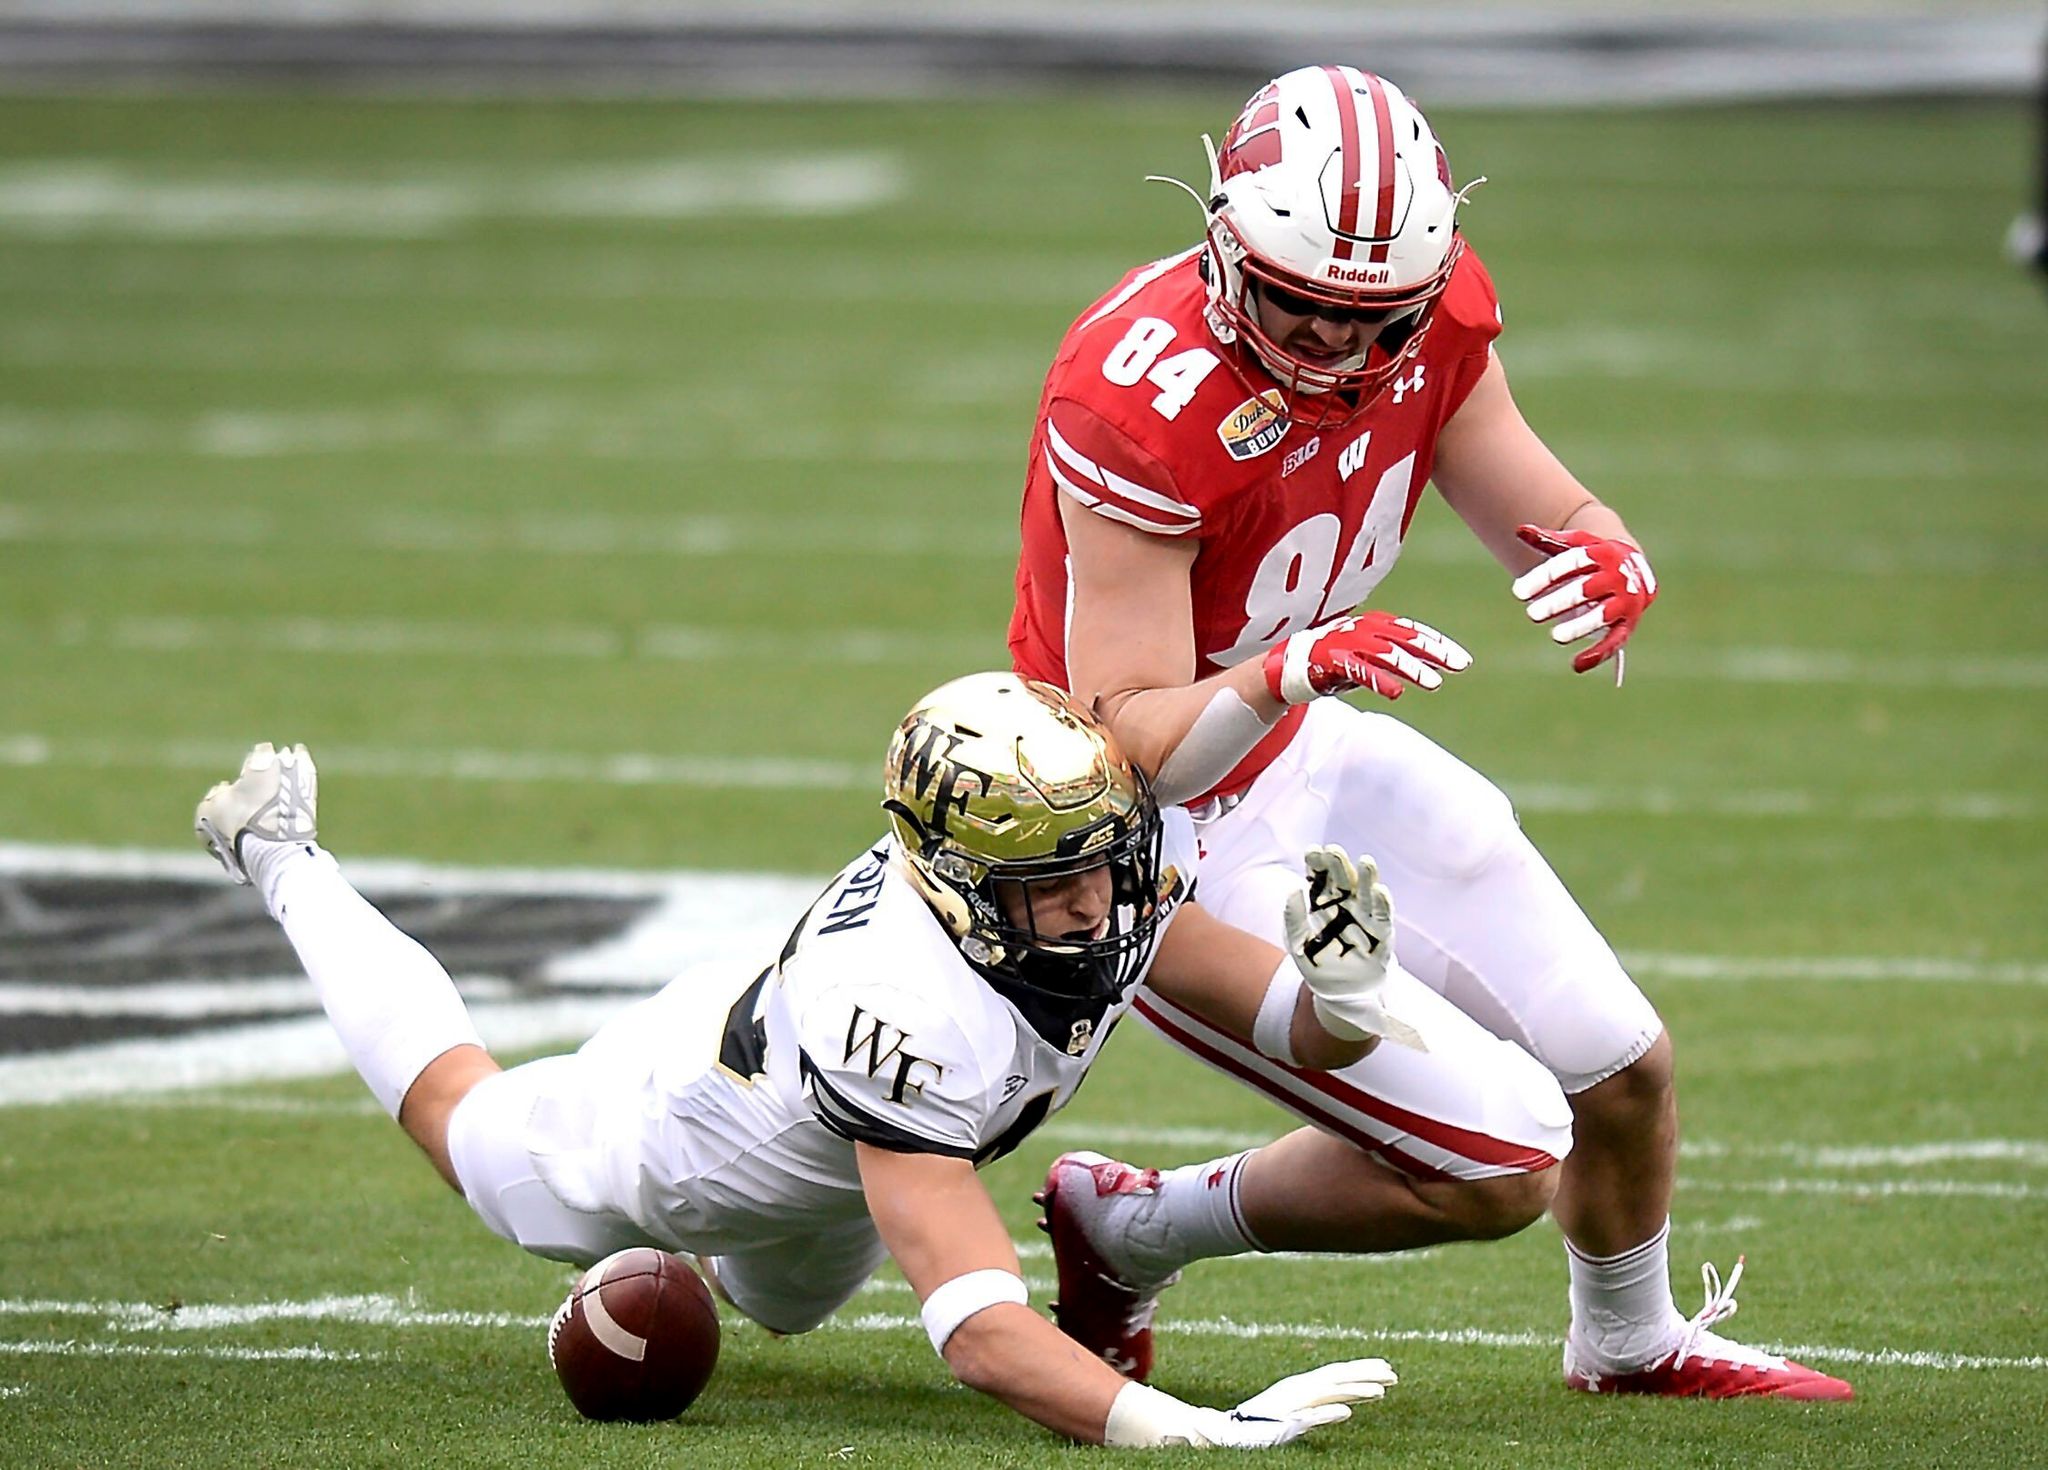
[994, 779]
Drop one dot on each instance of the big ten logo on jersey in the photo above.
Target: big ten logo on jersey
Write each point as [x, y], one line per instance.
[885, 1051]
[938, 781]
[1302, 581]
[856, 897]
[1138, 358]
[1300, 455]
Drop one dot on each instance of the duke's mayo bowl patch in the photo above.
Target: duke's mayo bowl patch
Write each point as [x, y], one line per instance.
[1254, 426]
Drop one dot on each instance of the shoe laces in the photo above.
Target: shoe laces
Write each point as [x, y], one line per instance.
[1699, 1339]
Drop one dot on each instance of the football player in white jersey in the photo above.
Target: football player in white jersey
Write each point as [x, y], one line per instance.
[947, 991]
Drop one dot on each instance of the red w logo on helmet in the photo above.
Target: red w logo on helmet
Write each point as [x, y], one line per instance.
[1253, 141]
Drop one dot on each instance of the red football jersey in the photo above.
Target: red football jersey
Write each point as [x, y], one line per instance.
[1143, 421]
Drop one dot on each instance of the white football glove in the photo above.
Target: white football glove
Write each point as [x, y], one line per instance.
[1142, 1417]
[1340, 930]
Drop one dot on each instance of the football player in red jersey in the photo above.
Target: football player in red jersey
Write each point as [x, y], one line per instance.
[1229, 450]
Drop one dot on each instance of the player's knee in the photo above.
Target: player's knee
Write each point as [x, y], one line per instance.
[1490, 1209]
[1644, 1088]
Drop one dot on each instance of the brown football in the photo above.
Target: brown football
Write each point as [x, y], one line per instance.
[637, 1338]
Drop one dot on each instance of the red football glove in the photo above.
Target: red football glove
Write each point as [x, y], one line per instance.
[1373, 650]
[1596, 584]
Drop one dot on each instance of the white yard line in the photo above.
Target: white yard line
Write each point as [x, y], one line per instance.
[194, 999]
[836, 647]
[35, 750]
[1657, 965]
[390, 1312]
[72, 198]
[1870, 1189]
[75, 1349]
[532, 425]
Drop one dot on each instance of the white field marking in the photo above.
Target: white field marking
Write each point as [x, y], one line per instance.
[265, 1051]
[2030, 1152]
[76, 1349]
[361, 1310]
[188, 999]
[1734, 1224]
[1663, 966]
[386, 1311]
[12, 1390]
[73, 198]
[392, 637]
[592, 271]
[1870, 1189]
[591, 533]
[1477, 1337]
[512, 429]
[582, 534]
[33, 750]
[395, 638]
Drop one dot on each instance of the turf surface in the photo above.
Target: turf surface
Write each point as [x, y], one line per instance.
[394, 428]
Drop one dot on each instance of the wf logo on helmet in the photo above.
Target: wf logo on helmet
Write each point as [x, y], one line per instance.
[923, 763]
[1254, 427]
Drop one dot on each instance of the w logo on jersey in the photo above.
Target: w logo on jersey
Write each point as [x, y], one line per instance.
[1352, 460]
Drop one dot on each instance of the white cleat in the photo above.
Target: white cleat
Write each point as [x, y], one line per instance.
[274, 798]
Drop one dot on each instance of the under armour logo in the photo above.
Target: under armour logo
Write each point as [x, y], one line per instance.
[1215, 1179]
[1410, 384]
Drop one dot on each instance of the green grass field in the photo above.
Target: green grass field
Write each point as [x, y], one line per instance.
[593, 484]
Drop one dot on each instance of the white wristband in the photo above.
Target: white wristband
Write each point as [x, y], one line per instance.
[1273, 1031]
[1143, 1418]
[953, 1302]
[1294, 685]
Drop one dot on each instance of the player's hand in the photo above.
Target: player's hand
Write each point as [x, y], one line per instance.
[1596, 584]
[1332, 1385]
[1340, 930]
[1143, 1417]
[1370, 650]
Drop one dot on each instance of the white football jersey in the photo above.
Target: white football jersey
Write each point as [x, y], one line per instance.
[717, 1116]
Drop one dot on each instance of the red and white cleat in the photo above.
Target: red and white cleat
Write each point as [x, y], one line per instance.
[1706, 1365]
[1100, 1307]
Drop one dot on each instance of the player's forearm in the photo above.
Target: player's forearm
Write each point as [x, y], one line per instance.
[1228, 977]
[1014, 1355]
[1192, 736]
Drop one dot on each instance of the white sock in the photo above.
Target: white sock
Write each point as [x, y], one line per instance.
[1195, 1215]
[388, 999]
[1622, 1311]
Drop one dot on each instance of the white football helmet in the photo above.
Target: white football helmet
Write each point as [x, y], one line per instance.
[1332, 189]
